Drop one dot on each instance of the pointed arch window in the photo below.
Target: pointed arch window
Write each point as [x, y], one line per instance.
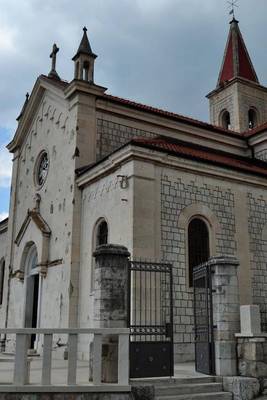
[226, 119]
[102, 233]
[252, 118]
[198, 245]
[100, 237]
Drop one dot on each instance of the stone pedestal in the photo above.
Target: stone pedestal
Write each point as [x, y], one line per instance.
[110, 301]
[250, 320]
[252, 344]
[226, 315]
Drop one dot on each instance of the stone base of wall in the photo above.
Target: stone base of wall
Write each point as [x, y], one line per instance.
[242, 388]
[184, 352]
[66, 396]
[252, 360]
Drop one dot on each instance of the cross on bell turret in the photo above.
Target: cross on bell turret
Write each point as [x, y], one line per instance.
[84, 60]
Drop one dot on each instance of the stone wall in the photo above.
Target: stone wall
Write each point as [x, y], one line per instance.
[261, 155]
[257, 222]
[176, 195]
[111, 136]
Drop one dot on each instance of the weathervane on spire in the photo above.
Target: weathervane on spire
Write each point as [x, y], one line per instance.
[232, 6]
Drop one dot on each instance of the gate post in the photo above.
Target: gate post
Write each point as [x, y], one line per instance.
[110, 301]
[226, 315]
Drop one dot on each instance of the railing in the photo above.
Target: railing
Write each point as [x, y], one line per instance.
[21, 367]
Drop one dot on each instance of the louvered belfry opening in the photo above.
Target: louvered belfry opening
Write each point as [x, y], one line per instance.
[198, 245]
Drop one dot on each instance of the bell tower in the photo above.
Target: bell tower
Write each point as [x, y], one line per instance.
[239, 102]
[84, 60]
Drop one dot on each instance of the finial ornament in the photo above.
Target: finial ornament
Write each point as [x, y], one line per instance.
[53, 55]
[232, 6]
[84, 29]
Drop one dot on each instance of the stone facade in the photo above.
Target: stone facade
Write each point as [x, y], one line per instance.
[257, 222]
[176, 195]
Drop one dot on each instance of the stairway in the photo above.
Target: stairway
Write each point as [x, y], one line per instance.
[208, 388]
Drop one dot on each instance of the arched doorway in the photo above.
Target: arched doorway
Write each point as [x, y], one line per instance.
[32, 282]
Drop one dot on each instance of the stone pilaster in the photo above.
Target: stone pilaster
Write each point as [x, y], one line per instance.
[226, 315]
[110, 301]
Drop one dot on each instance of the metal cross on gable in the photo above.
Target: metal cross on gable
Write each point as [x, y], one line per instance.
[232, 6]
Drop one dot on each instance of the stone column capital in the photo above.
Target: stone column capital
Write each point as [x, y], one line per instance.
[223, 260]
[111, 250]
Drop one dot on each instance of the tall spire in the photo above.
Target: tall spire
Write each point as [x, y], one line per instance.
[236, 62]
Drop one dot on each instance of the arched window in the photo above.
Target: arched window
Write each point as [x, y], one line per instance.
[198, 245]
[226, 120]
[86, 71]
[2, 278]
[252, 118]
[100, 237]
[102, 233]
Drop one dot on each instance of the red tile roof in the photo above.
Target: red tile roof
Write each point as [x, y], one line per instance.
[258, 129]
[168, 114]
[207, 155]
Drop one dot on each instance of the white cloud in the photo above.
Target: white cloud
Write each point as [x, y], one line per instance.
[3, 215]
[6, 40]
[5, 168]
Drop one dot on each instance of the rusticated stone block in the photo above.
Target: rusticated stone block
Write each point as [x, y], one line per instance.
[242, 388]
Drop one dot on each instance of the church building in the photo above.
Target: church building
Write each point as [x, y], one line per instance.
[90, 169]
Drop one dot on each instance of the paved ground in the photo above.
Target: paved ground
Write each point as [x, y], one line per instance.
[59, 371]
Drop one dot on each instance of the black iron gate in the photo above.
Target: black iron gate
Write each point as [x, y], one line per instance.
[203, 316]
[150, 318]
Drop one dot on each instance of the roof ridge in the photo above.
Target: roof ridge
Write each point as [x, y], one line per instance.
[171, 114]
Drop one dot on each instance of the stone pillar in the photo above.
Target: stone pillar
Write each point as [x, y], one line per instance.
[110, 301]
[226, 317]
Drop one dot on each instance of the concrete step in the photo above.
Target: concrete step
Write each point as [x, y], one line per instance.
[198, 396]
[168, 390]
[175, 381]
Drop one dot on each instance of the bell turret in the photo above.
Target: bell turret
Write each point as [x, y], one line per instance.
[84, 60]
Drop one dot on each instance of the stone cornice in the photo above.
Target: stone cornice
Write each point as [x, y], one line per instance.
[131, 152]
[242, 81]
[77, 85]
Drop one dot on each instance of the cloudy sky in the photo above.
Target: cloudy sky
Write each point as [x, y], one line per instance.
[165, 53]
